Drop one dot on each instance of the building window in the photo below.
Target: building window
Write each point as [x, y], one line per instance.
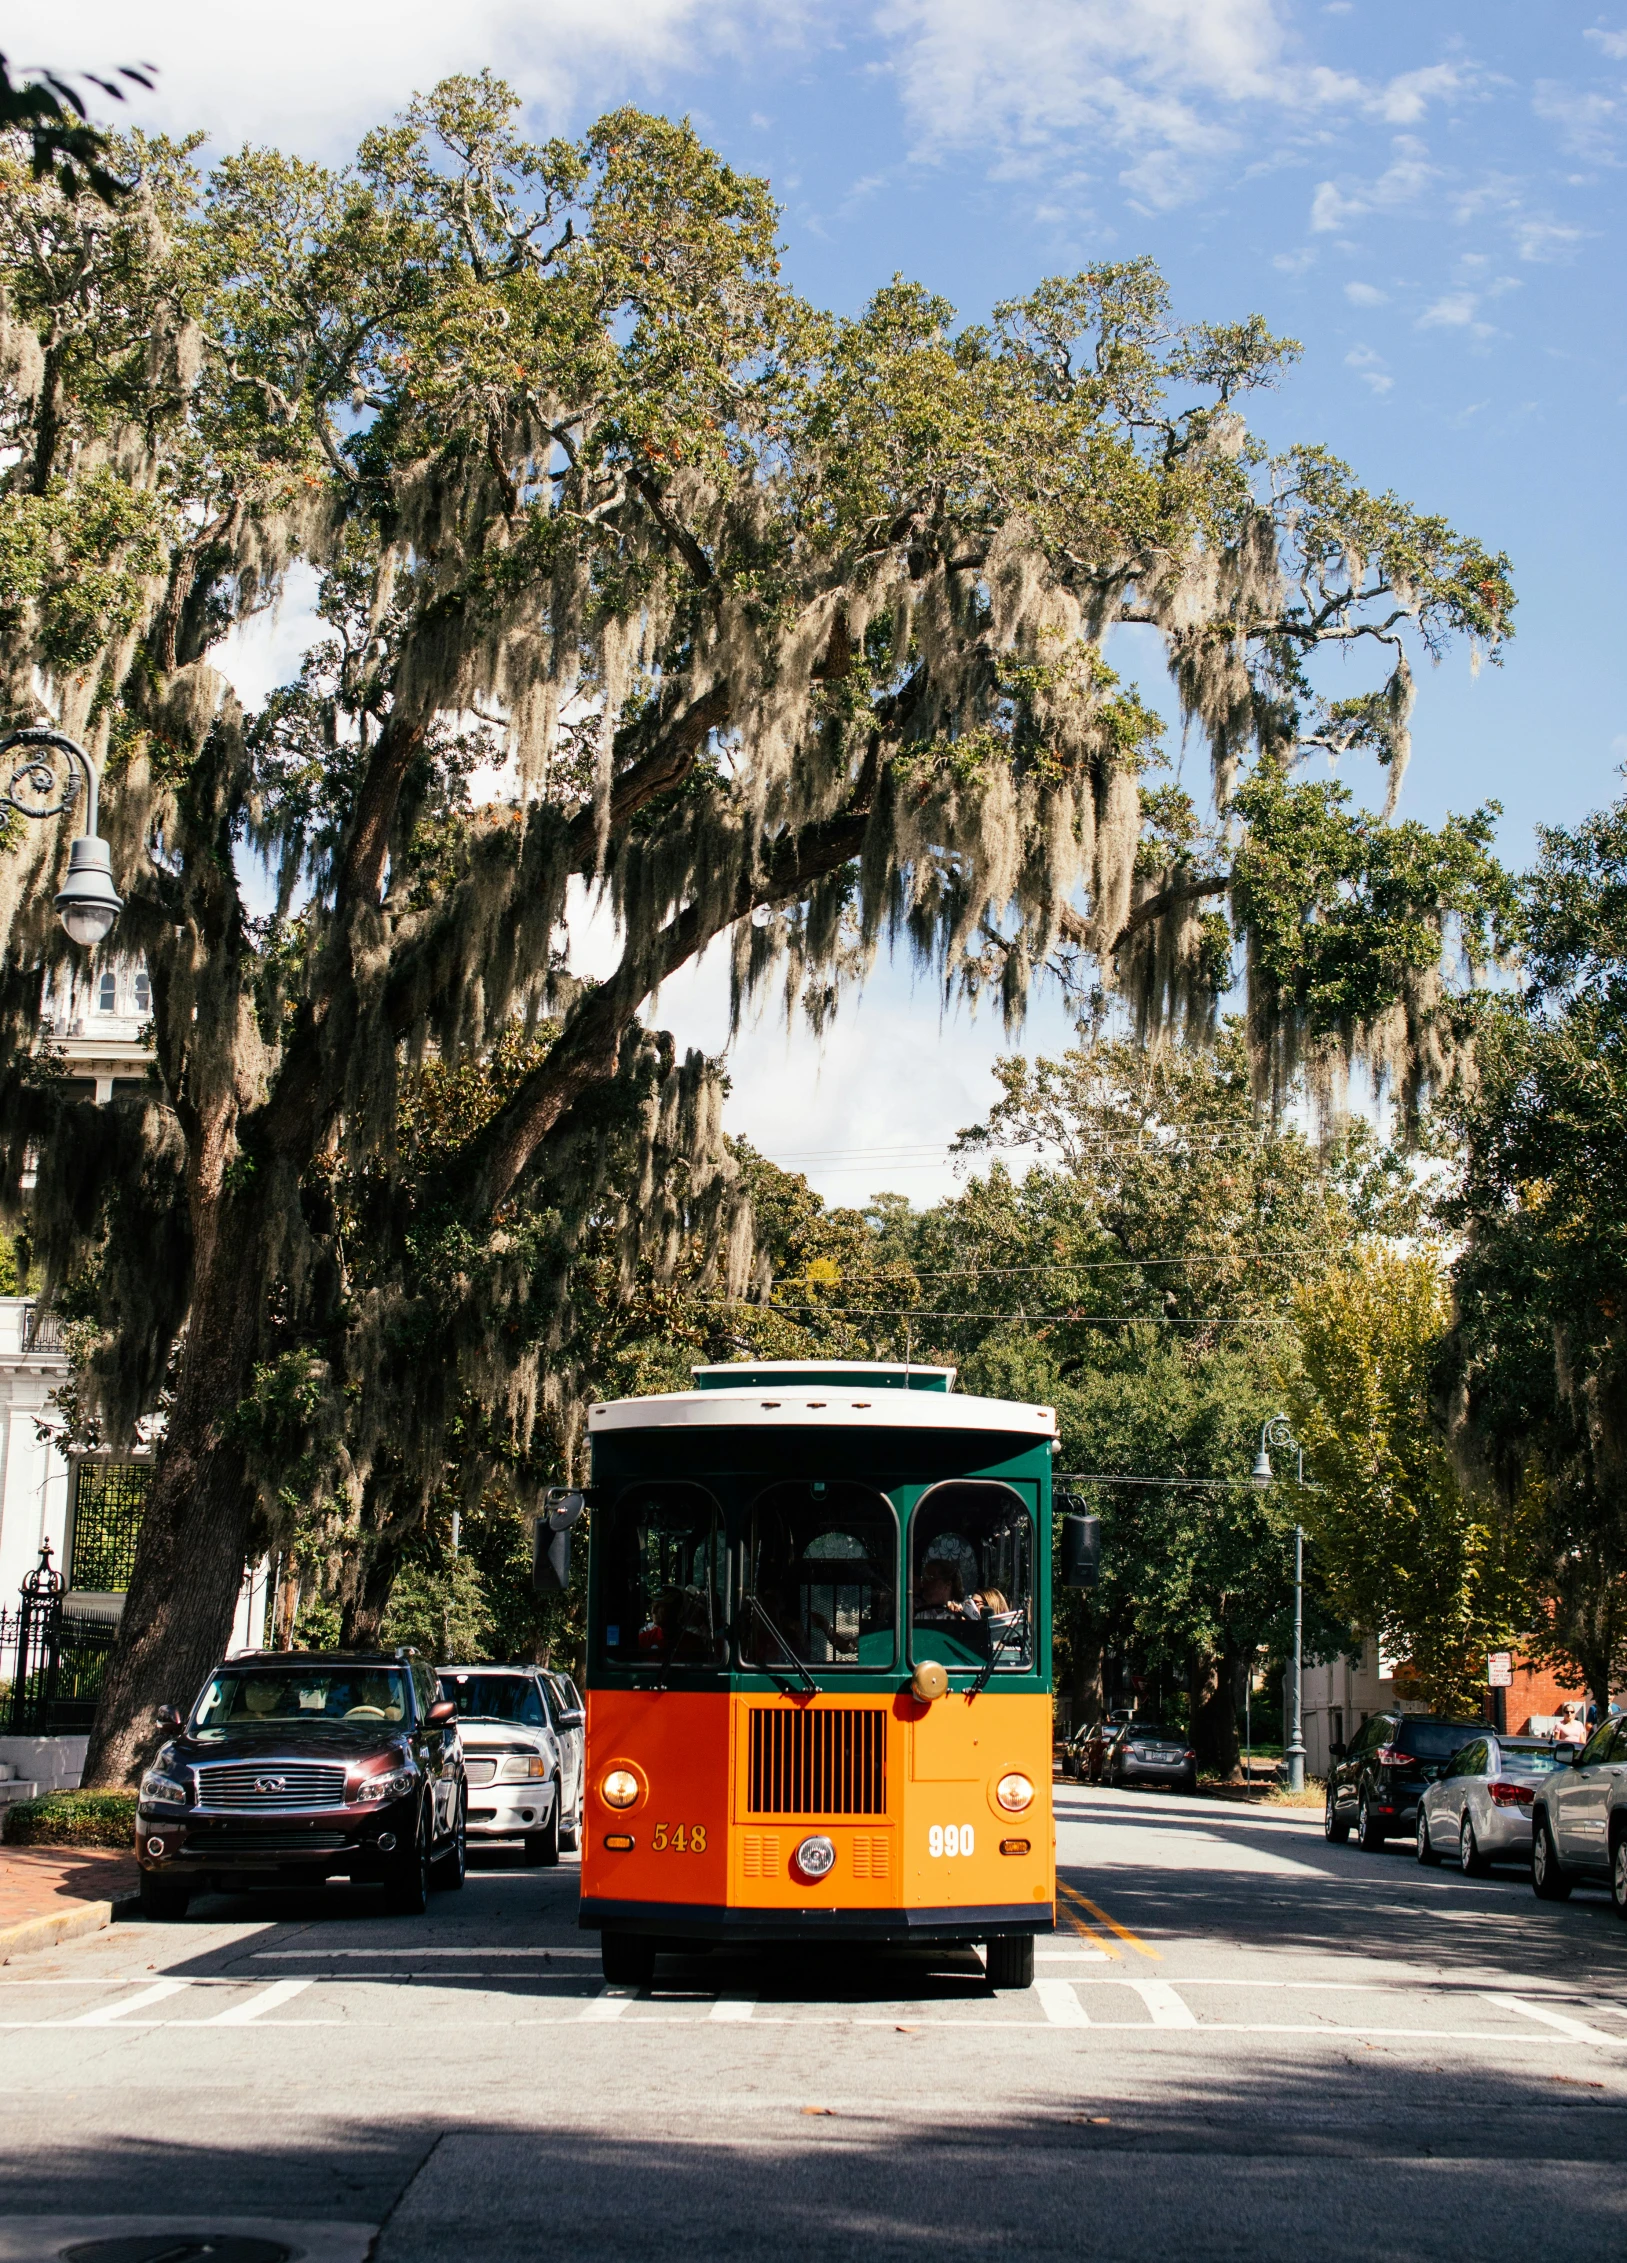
[107, 993]
[107, 1504]
[144, 991]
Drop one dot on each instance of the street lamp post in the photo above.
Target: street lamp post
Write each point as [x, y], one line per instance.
[1277, 1433]
[88, 903]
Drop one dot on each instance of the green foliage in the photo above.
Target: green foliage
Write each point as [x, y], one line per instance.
[1439, 1575]
[73, 1819]
[439, 1609]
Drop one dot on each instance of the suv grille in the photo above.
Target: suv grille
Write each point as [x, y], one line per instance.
[278, 1784]
[818, 1761]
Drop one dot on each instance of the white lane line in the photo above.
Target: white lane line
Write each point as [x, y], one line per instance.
[610, 2003]
[1072, 1956]
[108, 2014]
[1061, 2006]
[1164, 2006]
[733, 2008]
[274, 1993]
[1577, 2029]
[379, 1956]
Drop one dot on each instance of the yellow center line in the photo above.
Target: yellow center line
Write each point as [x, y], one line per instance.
[1099, 1940]
[1112, 1923]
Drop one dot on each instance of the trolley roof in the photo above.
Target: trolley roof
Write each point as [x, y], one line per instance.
[836, 1394]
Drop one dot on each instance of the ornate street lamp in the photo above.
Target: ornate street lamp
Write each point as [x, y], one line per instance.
[88, 903]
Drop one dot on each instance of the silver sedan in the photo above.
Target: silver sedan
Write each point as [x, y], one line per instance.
[1478, 1810]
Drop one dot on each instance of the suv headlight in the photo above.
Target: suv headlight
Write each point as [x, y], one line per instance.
[525, 1768]
[161, 1791]
[392, 1785]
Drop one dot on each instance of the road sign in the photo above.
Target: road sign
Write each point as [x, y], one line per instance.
[1500, 1670]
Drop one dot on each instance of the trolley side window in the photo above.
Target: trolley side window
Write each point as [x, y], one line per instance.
[972, 1576]
[662, 1599]
[821, 1570]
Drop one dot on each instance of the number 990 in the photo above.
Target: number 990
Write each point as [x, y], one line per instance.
[951, 1838]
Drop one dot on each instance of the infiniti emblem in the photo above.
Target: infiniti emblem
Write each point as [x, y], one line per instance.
[271, 1783]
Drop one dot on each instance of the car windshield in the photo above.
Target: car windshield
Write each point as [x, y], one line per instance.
[1433, 1740]
[496, 1697]
[1531, 1759]
[972, 1548]
[821, 1576]
[273, 1696]
[662, 1598]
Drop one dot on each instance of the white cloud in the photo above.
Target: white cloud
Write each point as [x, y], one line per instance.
[310, 75]
[1366, 294]
[1294, 262]
[1546, 241]
[1612, 43]
[1171, 83]
[1453, 312]
[1335, 206]
[1370, 368]
[1588, 124]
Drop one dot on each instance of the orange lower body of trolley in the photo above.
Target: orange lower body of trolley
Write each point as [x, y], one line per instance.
[715, 1817]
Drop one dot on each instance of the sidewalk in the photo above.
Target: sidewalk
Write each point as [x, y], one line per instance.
[48, 1894]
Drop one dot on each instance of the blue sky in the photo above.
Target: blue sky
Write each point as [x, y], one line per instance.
[1427, 197]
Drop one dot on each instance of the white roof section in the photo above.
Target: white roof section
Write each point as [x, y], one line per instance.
[813, 1407]
[895, 1367]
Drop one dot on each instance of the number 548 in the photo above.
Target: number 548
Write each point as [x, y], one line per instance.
[679, 1838]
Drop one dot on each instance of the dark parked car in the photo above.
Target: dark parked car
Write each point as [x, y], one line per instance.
[297, 1766]
[1144, 1752]
[1377, 1780]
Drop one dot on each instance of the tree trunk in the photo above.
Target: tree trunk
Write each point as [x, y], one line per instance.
[1213, 1684]
[190, 1554]
[363, 1612]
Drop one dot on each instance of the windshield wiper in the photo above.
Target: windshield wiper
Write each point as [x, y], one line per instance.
[993, 1658]
[750, 1603]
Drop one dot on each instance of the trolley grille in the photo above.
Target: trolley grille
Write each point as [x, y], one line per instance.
[818, 1761]
[275, 1784]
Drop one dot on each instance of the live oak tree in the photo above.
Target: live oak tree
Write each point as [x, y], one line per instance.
[636, 575]
[1533, 1369]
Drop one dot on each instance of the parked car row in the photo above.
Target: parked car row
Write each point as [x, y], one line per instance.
[1466, 1794]
[293, 1767]
[1122, 1751]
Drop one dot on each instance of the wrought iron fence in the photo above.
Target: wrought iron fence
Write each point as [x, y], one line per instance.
[108, 1499]
[56, 1659]
[42, 1330]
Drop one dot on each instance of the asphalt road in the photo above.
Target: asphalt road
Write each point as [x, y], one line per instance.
[1245, 2043]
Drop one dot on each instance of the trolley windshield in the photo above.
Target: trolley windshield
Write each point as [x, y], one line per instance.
[972, 1564]
[821, 1577]
[663, 1601]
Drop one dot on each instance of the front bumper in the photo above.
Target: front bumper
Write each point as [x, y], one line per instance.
[674, 1921]
[197, 1844]
[508, 1811]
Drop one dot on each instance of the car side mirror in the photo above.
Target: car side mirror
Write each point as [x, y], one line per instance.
[442, 1711]
[168, 1716]
[1337, 1751]
[1081, 1551]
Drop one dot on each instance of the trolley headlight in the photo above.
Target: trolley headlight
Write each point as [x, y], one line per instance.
[815, 1857]
[620, 1788]
[1014, 1792]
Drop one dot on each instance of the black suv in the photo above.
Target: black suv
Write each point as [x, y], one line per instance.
[296, 1765]
[1377, 1780]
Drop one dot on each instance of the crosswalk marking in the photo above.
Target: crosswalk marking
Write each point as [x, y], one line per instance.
[274, 1993]
[1576, 2028]
[1060, 2005]
[1163, 2004]
[607, 2004]
[108, 2015]
[733, 2008]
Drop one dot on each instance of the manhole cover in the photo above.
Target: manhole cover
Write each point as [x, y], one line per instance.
[179, 2247]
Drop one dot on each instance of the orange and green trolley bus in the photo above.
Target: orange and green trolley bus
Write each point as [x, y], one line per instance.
[819, 1666]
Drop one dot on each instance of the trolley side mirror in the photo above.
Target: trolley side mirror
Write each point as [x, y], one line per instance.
[562, 1510]
[1081, 1551]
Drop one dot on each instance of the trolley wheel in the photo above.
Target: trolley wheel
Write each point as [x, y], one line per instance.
[627, 1959]
[1011, 1960]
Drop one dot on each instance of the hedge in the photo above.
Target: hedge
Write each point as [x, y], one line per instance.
[73, 1819]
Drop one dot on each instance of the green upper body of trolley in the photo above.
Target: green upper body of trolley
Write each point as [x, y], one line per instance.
[707, 1531]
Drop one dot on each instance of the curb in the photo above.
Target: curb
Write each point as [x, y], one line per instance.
[63, 1925]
